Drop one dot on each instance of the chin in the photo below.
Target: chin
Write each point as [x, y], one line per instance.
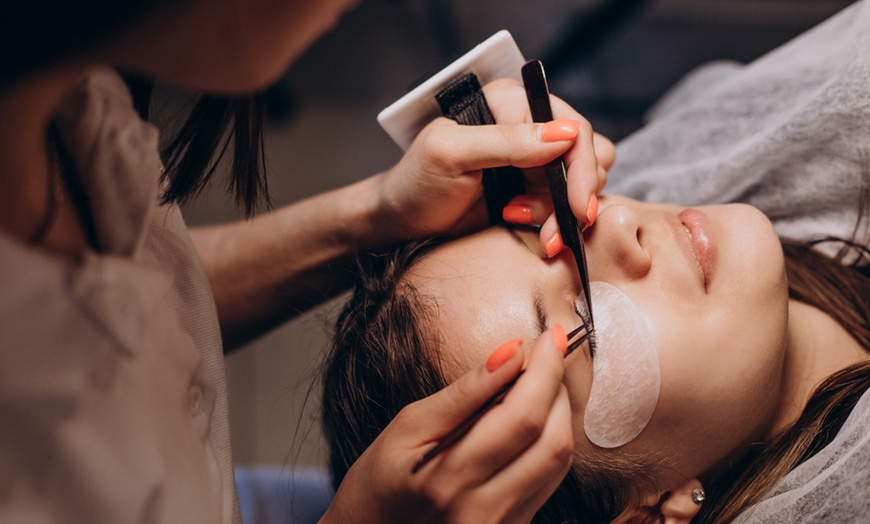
[236, 76]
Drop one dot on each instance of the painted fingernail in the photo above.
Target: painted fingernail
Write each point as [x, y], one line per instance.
[592, 210]
[504, 353]
[554, 246]
[517, 214]
[560, 130]
[560, 338]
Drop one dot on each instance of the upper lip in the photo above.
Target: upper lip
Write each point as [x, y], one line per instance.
[695, 237]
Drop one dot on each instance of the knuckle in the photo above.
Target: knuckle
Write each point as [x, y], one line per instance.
[460, 391]
[437, 147]
[405, 415]
[560, 446]
[529, 428]
[441, 497]
[585, 126]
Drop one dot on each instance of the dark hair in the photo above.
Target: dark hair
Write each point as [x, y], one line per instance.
[382, 360]
[192, 156]
[842, 291]
[37, 35]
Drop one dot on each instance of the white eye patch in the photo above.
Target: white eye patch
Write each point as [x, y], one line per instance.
[626, 377]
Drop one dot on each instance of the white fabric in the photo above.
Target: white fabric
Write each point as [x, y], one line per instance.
[790, 134]
[112, 388]
[832, 486]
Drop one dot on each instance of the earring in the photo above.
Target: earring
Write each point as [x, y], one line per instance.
[698, 495]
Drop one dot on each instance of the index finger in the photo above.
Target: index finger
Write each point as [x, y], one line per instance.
[433, 417]
[517, 422]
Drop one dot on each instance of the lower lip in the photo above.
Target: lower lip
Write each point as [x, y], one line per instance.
[702, 240]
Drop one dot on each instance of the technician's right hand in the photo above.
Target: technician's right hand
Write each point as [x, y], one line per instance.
[501, 471]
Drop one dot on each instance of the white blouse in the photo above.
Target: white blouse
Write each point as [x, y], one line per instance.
[113, 404]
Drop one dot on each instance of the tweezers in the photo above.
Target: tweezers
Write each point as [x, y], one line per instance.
[557, 177]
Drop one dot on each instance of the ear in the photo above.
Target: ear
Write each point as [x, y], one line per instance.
[680, 507]
[669, 507]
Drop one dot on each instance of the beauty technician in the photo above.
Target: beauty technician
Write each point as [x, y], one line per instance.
[113, 315]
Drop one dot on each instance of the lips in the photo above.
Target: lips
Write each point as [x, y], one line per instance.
[700, 235]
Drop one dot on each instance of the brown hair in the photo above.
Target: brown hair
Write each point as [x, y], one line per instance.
[193, 153]
[381, 360]
[842, 291]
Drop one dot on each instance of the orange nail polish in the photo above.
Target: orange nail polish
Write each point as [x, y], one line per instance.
[560, 338]
[504, 353]
[560, 130]
[517, 214]
[592, 210]
[554, 245]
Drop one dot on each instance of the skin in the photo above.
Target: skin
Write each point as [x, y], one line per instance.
[738, 358]
[262, 271]
[226, 46]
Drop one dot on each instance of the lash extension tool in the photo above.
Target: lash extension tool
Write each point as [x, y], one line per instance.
[538, 94]
[539, 103]
[459, 431]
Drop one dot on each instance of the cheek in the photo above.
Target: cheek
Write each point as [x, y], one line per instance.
[721, 370]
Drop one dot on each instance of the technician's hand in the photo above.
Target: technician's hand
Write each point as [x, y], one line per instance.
[436, 187]
[502, 470]
[588, 160]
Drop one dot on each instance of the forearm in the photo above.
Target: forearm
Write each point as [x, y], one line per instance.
[266, 270]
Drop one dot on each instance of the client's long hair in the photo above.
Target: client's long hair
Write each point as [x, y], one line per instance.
[842, 291]
[382, 360]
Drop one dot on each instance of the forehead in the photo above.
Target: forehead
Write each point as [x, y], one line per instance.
[480, 293]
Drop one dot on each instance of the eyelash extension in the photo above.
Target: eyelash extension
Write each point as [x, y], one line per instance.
[593, 344]
[588, 336]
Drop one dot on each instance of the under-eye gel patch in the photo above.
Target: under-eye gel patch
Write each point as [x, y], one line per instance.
[626, 377]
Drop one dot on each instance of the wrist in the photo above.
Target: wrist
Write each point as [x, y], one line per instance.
[367, 223]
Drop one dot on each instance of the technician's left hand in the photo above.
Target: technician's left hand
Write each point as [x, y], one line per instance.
[436, 187]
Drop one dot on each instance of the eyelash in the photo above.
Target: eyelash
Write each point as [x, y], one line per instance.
[593, 344]
[592, 339]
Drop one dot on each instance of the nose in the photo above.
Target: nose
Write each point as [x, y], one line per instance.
[615, 245]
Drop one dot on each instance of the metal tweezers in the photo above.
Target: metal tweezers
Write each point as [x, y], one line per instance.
[557, 177]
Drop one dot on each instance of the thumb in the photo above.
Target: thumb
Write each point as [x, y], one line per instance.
[436, 415]
[471, 148]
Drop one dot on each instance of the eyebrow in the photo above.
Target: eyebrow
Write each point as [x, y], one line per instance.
[541, 314]
[540, 311]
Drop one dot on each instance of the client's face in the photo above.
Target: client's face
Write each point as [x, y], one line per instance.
[711, 287]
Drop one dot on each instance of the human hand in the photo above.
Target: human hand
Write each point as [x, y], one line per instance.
[502, 470]
[587, 160]
[436, 188]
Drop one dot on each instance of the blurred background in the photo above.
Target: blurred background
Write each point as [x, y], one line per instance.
[611, 59]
